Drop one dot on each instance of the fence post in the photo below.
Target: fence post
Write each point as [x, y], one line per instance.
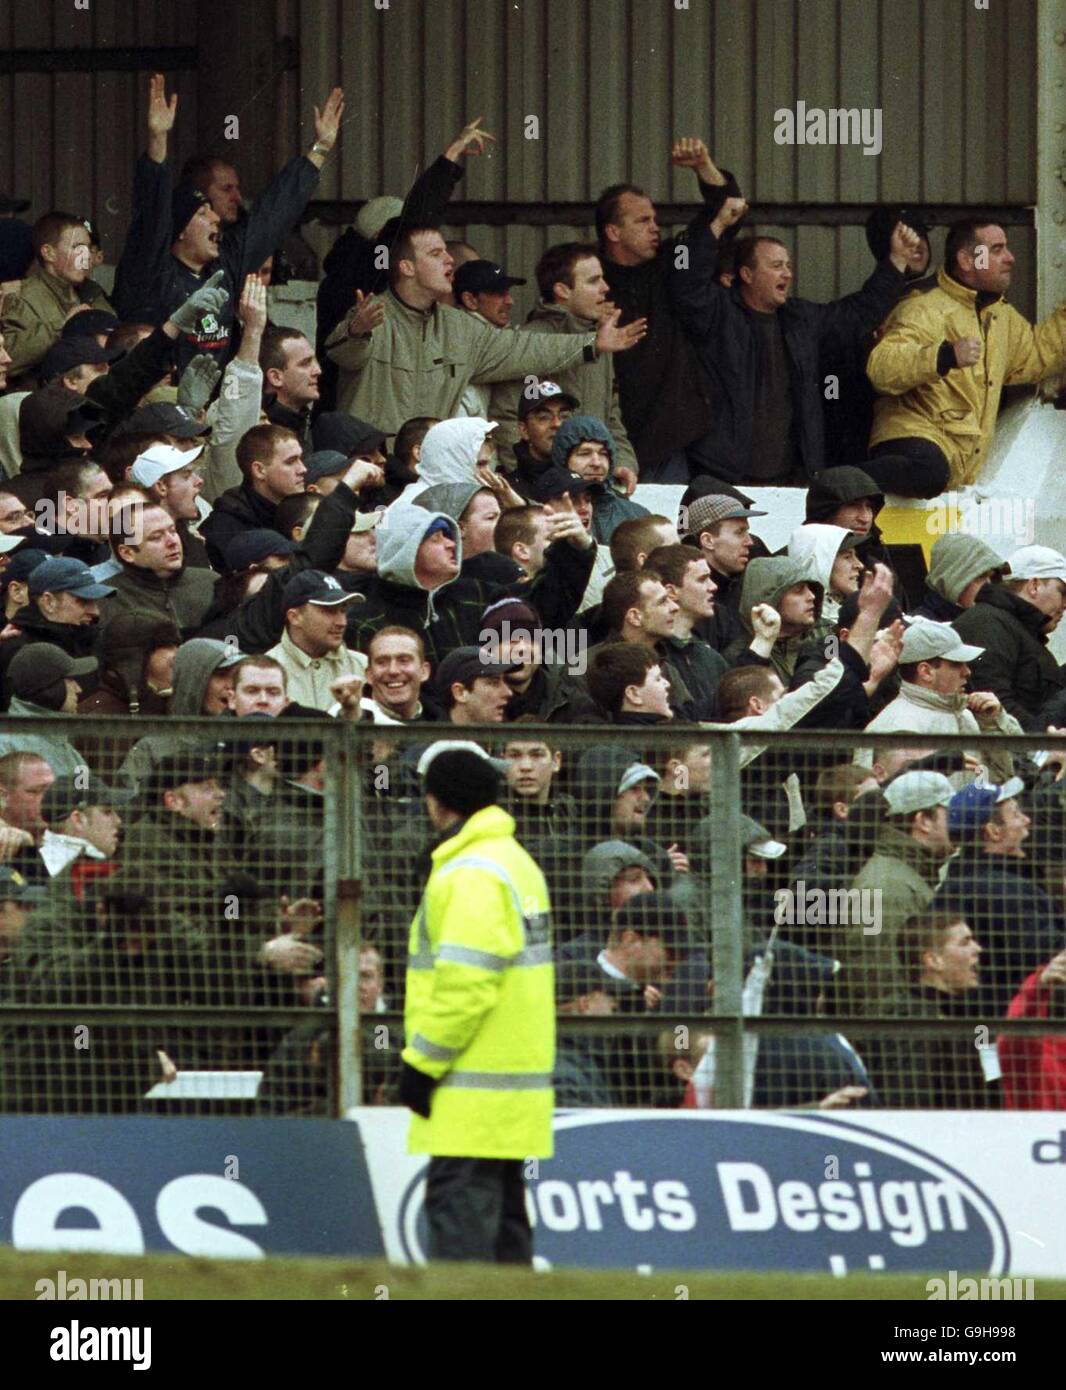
[343, 856]
[727, 921]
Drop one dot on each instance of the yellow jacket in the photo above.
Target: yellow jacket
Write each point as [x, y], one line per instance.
[480, 1010]
[956, 411]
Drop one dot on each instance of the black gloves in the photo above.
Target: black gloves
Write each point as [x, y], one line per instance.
[416, 1090]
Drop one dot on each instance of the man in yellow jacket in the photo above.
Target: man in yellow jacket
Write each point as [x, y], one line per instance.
[479, 1017]
[944, 356]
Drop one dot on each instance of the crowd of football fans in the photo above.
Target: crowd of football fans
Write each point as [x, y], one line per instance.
[426, 519]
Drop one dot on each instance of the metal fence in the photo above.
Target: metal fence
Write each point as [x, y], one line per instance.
[211, 915]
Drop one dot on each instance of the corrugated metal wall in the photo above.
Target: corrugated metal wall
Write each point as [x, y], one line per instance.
[69, 139]
[612, 82]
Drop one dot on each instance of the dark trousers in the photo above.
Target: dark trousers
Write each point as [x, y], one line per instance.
[908, 467]
[476, 1209]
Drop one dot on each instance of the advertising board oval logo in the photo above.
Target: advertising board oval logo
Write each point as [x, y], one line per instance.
[756, 1192]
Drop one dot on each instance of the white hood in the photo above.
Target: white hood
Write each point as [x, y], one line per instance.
[819, 545]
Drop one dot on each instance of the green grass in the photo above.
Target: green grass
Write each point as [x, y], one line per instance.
[170, 1277]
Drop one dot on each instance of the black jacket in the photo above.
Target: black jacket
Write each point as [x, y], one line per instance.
[34, 627]
[699, 668]
[720, 327]
[297, 421]
[1015, 922]
[238, 509]
[663, 393]
[150, 282]
[1016, 664]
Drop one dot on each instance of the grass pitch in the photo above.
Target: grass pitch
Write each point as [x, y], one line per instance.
[175, 1278]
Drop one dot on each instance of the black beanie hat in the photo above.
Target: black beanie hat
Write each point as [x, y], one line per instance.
[185, 202]
[463, 782]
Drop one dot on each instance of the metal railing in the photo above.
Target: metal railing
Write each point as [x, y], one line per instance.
[257, 964]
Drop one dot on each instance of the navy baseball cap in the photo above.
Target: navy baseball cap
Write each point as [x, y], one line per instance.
[325, 463]
[63, 575]
[483, 277]
[970, 809]
[21, 565]
[250, 548]
[543, 393]
[163, 417]
[66, 354]
[88, 323]
[466, 664]
[553, 482]
[312, 586]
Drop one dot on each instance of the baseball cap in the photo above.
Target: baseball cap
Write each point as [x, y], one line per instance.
[1037, 562]
[972, 807]
[709, 510]
[483, 277]
[43, 664]
[249, 548]
[339, 432]
[159, 460]
[178, 769]
[312, 586]
[457, 745]
[925, 640]
[88, 323]
[465, 664]
[75, 792]
[554, 481]
[634, 774]
[67, 353]
[757, 840]
[542, 392]
[22, 565]
[373, 215]
[163, 417]
[917, 791]
[366, 521]
[324, 463]
[63, 575]
[9, 541]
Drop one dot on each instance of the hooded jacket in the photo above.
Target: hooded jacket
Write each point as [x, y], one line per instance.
[721, 329]
[956, 560]
[420, 361]
[196, 662]
[922, 394]
[1016, 665]
[591, 383]
[817, 546]
[764, 582]
[33, 319]
[609, 508]
[46, 417]
[450, 616]
[831, 489]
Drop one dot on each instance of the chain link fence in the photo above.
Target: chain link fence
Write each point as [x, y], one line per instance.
[211, 916]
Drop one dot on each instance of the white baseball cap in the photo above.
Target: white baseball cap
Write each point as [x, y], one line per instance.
[159, 460]
[917, 791]
[456, 745]
[1037, 562]
[925, 640]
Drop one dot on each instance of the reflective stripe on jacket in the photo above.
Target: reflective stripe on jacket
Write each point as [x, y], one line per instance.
[480, 1012]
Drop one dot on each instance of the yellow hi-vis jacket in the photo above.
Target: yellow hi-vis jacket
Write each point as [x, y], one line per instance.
[480, 1011]
[956, 411]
